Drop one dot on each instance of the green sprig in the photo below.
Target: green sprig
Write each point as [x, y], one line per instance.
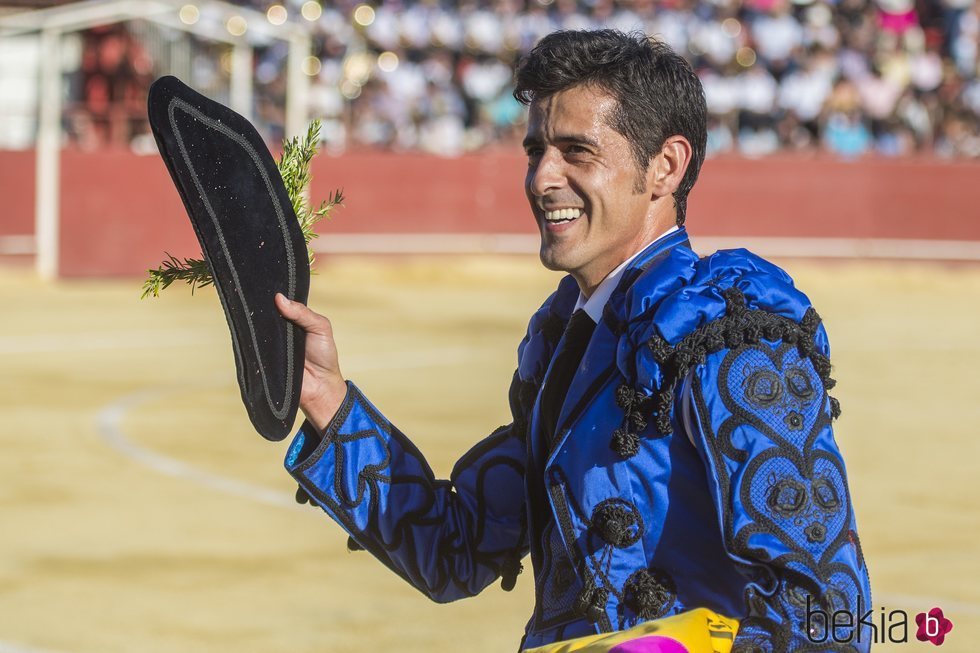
[193, 271]
[294, 168]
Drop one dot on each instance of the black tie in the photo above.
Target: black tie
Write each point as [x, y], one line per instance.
[576, 339]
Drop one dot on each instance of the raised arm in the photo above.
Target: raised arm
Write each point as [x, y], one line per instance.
[448, 538]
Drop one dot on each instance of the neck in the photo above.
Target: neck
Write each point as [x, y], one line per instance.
[587, 283]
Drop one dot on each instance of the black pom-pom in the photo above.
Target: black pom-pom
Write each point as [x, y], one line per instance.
[352, 545]
[591, 603]
[734, 299]
[649, 593]
[834, 408]
[810, 321]
[625, 397]
[509, 572]
[638, 421]
[625, 443]
[663, 424]
[303, 497]
[661, 349]
[617, 523]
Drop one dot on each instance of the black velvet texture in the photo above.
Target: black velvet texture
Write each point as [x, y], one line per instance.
[250, 238]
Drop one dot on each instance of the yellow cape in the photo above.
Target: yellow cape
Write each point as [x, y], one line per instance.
[694, 631]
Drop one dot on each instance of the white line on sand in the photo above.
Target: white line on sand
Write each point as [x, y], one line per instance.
[110, 419]
[10, 647]
[51, 343]
[110, 427]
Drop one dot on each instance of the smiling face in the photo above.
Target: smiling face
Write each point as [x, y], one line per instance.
[593, 206]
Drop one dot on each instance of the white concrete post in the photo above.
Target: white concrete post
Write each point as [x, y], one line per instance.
[241, 79]
[297, 86]
[48, 157]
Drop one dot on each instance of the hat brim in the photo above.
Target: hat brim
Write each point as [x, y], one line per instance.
[249, 236]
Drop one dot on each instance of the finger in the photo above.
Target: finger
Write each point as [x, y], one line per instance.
[302, 316]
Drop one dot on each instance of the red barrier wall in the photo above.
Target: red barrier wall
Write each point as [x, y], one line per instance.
[16, 193]
[778, 196]
[119, 211]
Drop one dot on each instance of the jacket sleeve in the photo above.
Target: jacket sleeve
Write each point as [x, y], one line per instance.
[758, 411]
[448, 538]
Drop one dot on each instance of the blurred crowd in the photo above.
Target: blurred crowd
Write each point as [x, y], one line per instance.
[852, 77]
[111, 83]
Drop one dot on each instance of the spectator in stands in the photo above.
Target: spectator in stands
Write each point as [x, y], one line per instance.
[775, 72]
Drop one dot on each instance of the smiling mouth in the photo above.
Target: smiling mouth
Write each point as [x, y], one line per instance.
[560, 216]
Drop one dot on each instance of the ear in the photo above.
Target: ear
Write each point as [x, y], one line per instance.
[667, 167]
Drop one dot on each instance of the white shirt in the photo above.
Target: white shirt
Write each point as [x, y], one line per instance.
[593, 305]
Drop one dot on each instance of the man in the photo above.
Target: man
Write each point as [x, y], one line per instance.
[671, 445]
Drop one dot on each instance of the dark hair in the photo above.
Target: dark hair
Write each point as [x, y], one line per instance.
[656, 91]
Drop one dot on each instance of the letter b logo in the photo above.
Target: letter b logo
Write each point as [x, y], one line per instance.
[933, 626]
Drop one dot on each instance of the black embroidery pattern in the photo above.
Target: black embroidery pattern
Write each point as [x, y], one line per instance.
[793, 491]
[556, 581]
[562, 579]
[614, 524]
[399, 537]
[369, 474]
[546, 330]
[594, 590]
[739, 326]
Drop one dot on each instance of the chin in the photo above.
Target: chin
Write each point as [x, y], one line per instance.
[551, 265]
[553, 261]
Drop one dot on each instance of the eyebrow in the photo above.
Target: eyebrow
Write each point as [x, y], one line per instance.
[575, 139]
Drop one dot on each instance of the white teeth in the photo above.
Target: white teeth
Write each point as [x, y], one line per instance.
[562, 215]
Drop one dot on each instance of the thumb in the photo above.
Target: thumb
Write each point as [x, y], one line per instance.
[301, 315]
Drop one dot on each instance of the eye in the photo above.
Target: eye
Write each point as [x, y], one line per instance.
[533, 154]
[577, 151]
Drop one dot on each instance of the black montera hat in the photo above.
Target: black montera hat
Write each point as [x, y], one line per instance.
[250, 238]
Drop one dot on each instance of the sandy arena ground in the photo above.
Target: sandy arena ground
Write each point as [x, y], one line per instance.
[141, 512]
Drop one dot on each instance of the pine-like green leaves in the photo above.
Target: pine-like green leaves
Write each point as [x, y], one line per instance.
[294, 167]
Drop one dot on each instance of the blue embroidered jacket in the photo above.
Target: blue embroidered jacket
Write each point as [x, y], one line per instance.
[694, 465]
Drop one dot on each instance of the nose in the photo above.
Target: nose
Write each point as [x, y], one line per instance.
[547, 174]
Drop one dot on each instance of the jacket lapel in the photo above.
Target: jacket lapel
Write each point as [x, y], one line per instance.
[599, 360]
[561, 311]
